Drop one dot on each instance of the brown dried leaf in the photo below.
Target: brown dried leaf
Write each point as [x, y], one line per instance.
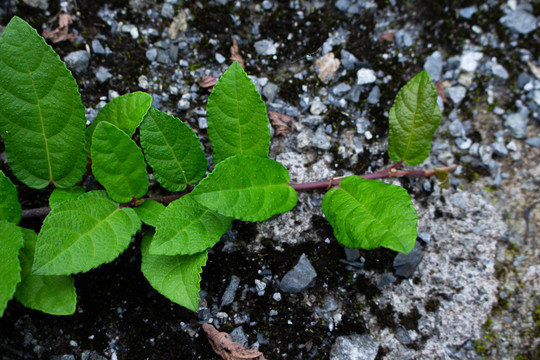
[235, 54]
[440, 91]
[282, 123]
[207, 82]
[226, 348]
[61, 33]
[388, 36]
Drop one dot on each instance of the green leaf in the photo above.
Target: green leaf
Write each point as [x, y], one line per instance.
[413, 119]
[83, 233]
[54, 294]
[237, 118]
[443, 177]
[10, 208]
[247, 187]
[118, 163]
[126, 112]
[186, 227]
[176, 277]
[42, 120]
[149, 211]
[369, 213]
[59, 195]
[173, 151]
[11, 241]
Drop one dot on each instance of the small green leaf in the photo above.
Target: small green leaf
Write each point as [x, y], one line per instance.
[176, 277]
[413, 119]
[247, 187]
[83, 233]
[367, 214]
[149, 211]
[42, 120]
[186, 227]
[237, 118]
[118, 163]
[126, 112]
[173, 151]
[11, 241]
[59, 195]
[10, 208]
[54, 294]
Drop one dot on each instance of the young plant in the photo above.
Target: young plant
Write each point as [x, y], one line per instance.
[42, 124]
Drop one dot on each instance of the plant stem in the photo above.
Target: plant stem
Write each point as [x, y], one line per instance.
[317, 185]
[389, 172]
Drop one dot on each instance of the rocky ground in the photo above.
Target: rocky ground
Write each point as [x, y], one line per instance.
[330, 70]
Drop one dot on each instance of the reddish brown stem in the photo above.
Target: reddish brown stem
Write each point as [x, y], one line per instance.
[327, 184]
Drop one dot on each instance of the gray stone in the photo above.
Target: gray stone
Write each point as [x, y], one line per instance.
[203, 123]
[523, 79]
[299, 278]
[362, 125]
[374, 95]
[403, 336]
[238, 335]
[167, 10]
[77, 61]
[312, 121]
[463, 143]
[354, 94]
[183, 104]
[469, 61]
[151, 54]
[468, 12]
[270, 91]
[342, 5]
[403, 38]
[42, 4]
[365, 76]
[230, 292]
[386, 279]
[499, 148]
[132, 30]
[341, 89]
[220, 58]
[456, 129]
[266, 47]
[485, 152]
[354, 347]
[456, 93]
[519, 21]
[533, 141]
[517, 125]
[163, 57]
[97, 48]
[320, 140]
[317, 107]
[499, 71]
[405, 264]
[433, 66]
[267, 5]
[103, 74]
[348, 60]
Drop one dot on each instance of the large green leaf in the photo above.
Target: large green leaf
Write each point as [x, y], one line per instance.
[176, 277]
[149, 211]
[52, 294]
[118, 163]
[126, 112]
[42, 118]
[186, 227]
[173, 150]
[369, 213]
[237, 118]
[11, 241]
[59, 195]
[413, 119]
[83, 233]
[10, 208]
[247, 187]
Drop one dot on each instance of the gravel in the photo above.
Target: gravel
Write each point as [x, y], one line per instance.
[443, 300]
